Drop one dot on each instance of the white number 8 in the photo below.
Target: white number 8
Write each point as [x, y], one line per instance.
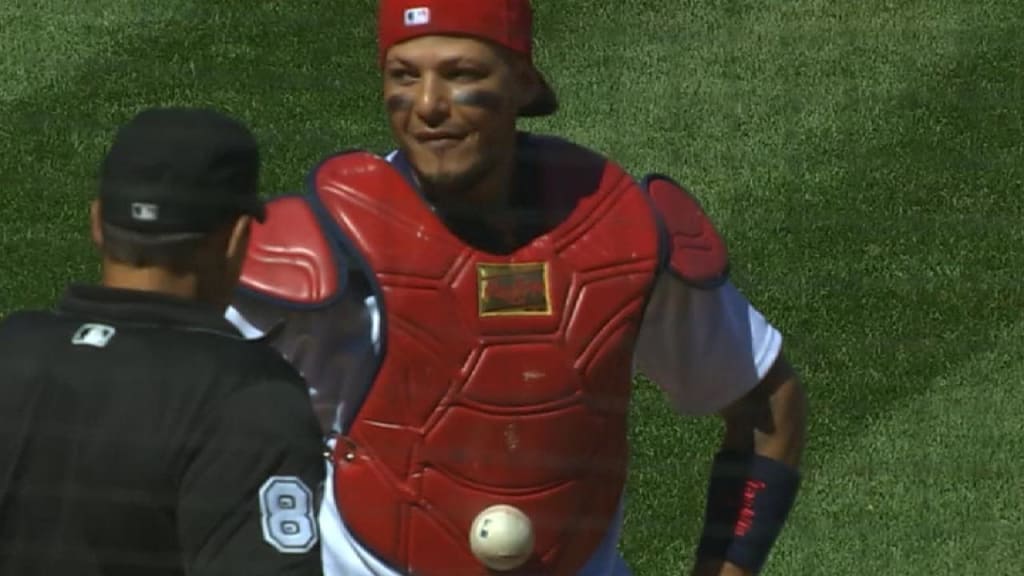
[289, 521]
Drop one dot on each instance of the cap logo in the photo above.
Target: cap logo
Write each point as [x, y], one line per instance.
[145, 212]
[417, 16]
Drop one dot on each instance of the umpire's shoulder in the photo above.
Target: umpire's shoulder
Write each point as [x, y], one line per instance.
[256, 361]
[16, 327]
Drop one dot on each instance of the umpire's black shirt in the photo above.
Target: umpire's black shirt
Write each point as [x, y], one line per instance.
[140, 434]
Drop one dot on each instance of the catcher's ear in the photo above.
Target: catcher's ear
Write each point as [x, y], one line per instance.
[527, 81]
[94, 223]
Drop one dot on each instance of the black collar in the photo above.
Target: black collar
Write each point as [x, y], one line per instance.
[140, 307]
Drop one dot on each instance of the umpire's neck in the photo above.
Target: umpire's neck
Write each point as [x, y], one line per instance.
[181, 284]
[204, 270]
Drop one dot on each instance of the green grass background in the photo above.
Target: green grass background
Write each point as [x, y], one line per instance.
[864, 160]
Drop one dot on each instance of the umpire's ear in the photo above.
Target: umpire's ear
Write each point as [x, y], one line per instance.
[238, 242]
[94, 223]
[527, 86]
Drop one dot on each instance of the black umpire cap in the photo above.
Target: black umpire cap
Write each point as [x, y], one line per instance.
[180, 171]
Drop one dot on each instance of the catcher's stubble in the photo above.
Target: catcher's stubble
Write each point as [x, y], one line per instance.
[446, 185]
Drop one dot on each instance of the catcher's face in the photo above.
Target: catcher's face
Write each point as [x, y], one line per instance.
[452, 104]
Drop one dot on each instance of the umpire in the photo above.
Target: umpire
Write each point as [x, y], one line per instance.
[139, 432]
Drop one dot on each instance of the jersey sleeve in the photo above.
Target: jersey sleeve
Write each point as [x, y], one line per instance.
[705, 348]
[250, 494]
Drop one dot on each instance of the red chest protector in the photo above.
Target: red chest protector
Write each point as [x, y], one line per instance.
[505, 378]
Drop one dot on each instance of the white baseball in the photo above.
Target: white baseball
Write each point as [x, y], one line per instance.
[501, 537]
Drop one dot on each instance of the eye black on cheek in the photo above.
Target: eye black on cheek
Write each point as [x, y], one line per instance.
[397, 102]
[479, 98]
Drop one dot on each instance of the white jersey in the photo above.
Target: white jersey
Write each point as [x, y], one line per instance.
[704, 348]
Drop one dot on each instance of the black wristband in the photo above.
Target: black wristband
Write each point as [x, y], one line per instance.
[749, 499]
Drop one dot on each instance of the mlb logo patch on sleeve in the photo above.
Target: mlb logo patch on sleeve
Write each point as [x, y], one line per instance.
[417, 16]
[95, 335]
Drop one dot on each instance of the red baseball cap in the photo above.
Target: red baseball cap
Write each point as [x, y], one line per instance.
[508, 23]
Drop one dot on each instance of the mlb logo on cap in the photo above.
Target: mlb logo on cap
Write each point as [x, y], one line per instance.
[417, 16]
[145, 212]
